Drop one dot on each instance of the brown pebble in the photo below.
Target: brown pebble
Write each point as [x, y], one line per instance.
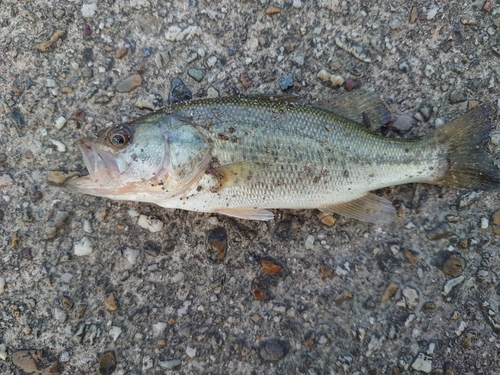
[258, 293]
[326, 218]
[3, 158]
[102, 99]
[129, 83]
[429, 306]
[66, 90]
[58, 177]
[496, 222]
[389, 292]
[464, 243]
[456, 315]
[344, 296]
[453, 266]
[16, 90]
[28, 155]
[351, 84]
[121, 52]
[255, 318]
[325, 271]
[27, 330]
[44, 47]
[269, 267]
[261, 40]
[471, 104]
[272, 10]
[66, 303]
[245, 80]
[171, 321]
[24, 359]
[413, 15]
[161, 343]
[217, 243]
[487, 5]
[245, 352]
[110, 302]
[15, 240]
[82, 308]
[78, 115]
[411, 255]
[448, 369]
[107, 363]
[442, 230]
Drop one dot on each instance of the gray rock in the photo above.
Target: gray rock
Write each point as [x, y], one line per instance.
[170, 364]
[285, 81]
[274, 350]
[457, 96]
[196, 74]
[178, 92]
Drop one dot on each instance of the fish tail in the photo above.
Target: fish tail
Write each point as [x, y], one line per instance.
[463, 139]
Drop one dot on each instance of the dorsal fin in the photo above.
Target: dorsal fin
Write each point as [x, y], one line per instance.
[361, 107]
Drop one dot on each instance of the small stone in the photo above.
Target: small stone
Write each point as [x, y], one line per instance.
[432, 12]
[245, 80]
[285, 81]
[178, 277]
[326, 218]
[170, 364]
[107, 363]
[120, 52]
[102, 99]
[422, 363]
[471, 104]
[196, 74]
[193, 55]
[411, 255]
[309, 242]
[66, 277]
[150, 101]
[150, 223]
[389, 292]
[110, 302]
[115, 332]
[191, 352]
[172, 33]
[129, 83]
[487, 8]
[6, 180]
[211, 61]
[66, 303]
[88, 10]
[60, 122]
[83, 247]
[131, 255]
[3, 158]
[298, 60]
[78, 115]
[442, 230]
[297, 3]
[452, 283]
[411, 297]
[24, 359]
[59, 146]
[2, 285]
[273, 350]
[178, 92]
[334, 80]
[413, 15]
[402, 124]
[211, 93]
[457, 96]
[64, 357]
[453, 266]
[146, 51]
[45, 46]
[60, 315]
[395, 24]
[272, 10]
[217, 243]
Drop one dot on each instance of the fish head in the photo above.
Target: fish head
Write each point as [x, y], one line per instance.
[143, 160]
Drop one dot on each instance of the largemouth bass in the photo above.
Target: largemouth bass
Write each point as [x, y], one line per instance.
[243, 156]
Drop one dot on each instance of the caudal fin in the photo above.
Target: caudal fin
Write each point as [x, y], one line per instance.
[464, 138]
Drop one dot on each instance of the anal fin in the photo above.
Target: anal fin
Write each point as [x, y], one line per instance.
[370, 208]
[247, 213]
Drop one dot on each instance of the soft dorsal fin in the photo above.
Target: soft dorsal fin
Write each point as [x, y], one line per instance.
[370, 208]
[361, 107]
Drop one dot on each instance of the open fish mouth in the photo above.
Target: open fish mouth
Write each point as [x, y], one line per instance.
[101, 165]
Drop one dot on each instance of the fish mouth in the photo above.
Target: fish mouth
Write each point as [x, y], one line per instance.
[101, 165]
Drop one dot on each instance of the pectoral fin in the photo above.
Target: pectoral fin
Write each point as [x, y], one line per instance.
[247, 213]
[370, 208]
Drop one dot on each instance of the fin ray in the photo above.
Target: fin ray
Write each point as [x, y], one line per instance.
[369, 208]
[247, 213]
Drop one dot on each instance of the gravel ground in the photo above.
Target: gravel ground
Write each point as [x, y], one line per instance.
[89, 285]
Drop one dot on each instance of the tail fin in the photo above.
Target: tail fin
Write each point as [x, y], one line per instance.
[464, 138]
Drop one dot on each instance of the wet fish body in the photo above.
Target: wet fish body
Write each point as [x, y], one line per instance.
[244, 156]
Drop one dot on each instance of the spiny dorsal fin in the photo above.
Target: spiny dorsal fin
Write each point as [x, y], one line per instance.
[370, 208]
[361, 107]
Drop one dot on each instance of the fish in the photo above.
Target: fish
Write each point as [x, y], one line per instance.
[244, 156]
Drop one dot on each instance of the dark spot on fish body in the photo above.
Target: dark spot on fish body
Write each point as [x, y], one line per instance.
[346, 173]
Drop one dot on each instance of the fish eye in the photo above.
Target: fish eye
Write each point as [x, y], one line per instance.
[119, 136]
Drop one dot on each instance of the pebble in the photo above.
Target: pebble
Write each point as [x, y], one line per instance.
[334, 80]
[150, 223]
[212, 92]
[389, 292]
[64, 357]
[129, 83]
[245, 79]
[177, 277]
[115, 332]
[3, 352]
[45, 46]
[217, 243]
[3, 158]
[60, 315]
[193, 55]
[411, 297]
[273, 350]
[422, 363]
[191, 352]
[272, 10]
[495, 219]
[60, 122]
[66, 277]
[120, 52]
[442, 230]
[83, 247]
[6, 180]
[299, 60]
[402, 124]
[452, 283]
[453, 266]
[60, 147]
[88, 10]
[196, 74]
[211, 61]
[176, 34]
[395, 24]
[170, 364]
[107, 363]
[2, 285]
[25, 361]
[297, 3]
[309, 242]
[178, 92]
[146, 51]
[457, 96]
[432, 12]
[285, 81]
[413, 15]
[326, 218]
[151, 101]
[56, 221]
[131, 255]
[110, 302]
